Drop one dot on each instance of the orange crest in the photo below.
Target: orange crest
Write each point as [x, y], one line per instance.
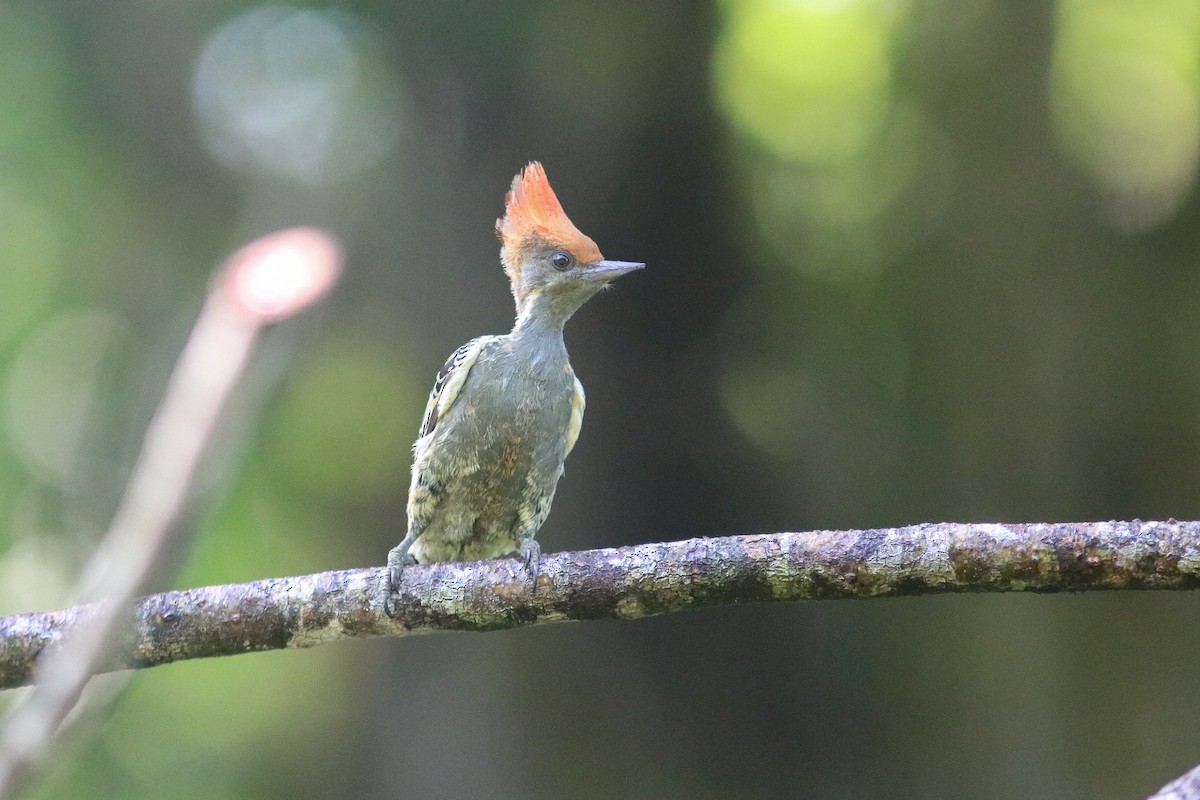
[531, 210]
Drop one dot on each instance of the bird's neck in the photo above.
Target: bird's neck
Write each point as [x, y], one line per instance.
[539, 326]
[543, 316]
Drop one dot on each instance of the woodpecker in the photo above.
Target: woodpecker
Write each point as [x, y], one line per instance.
[505, 411]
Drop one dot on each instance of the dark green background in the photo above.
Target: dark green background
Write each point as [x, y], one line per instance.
[907, 261]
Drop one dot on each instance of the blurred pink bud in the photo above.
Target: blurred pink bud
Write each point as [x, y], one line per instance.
[281, 273]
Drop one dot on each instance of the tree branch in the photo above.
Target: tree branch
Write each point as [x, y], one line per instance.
[627, 583]
[1185, 787]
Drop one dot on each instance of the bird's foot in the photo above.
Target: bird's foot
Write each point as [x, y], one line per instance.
[398, 559]
[531, 554]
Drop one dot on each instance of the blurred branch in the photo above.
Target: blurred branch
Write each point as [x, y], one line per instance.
[264, 282]
[627, 583]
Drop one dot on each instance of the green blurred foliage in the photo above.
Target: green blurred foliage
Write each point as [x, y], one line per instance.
[1125, 86]
[339, 430]
[808, 81]
[909, 260]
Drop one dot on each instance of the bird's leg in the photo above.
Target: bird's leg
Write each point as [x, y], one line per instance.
[398, 559]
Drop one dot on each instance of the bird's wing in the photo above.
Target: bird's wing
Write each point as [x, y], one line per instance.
[449, 382]
[578, 401]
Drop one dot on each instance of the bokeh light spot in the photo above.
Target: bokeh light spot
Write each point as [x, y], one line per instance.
[51, 387]
[829, 222]
[1125, 104]
[806, 80]
[301, 94]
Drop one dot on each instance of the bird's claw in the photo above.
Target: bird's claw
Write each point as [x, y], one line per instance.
[531, 554]
[398, 559]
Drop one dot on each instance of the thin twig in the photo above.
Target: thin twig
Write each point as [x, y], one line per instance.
[628, 583]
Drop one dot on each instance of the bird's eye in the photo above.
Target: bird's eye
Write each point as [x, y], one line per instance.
[561, 260]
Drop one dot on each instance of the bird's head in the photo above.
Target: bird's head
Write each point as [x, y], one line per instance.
[550, 263]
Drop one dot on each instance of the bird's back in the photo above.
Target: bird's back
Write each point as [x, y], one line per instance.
[490, 466]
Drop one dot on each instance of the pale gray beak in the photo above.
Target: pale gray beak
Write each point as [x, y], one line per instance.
[608, 270]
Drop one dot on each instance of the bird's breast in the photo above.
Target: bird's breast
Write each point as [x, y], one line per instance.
[512, 409]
